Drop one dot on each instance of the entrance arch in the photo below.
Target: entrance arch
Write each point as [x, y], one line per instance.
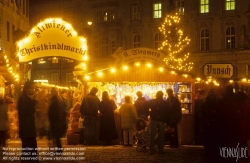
[52, 37]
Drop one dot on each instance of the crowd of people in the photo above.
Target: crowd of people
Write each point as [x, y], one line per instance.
[222, 118]
[158, 112]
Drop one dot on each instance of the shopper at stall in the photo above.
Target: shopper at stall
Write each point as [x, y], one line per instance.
[57, 118]
[198, 128]
[128, 119]
[175, 115]
[158, 117]
[108, 130]
[89, 111]
[26, 114]
[4, 125]
[142, 111]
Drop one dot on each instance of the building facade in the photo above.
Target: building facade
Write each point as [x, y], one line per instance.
[219, 29]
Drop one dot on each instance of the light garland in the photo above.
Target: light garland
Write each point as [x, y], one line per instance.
[174, 43]
[11, 69]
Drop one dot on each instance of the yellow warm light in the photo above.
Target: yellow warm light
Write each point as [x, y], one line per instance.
[149, 65]
[74, 33]
[49, 20]
[137, 64]
[58, 20]
[86, 77]
[99, 74]
[244, 79]
[161, 69]
[85, 57]
[125, 68]
[33, 30]
[5, 57]
[185, 75]
[89, 23]
[172, 72]
[54, 58]
[113, 70]
[68, 26]
[26, 40]
[231, 81]
[198, 79]
[83, 39]
[40, 24]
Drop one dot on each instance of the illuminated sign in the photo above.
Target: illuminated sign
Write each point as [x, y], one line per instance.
[218, 70]
[52, 37]
[139, 54]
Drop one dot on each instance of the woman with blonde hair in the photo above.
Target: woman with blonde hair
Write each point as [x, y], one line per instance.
[128, 119]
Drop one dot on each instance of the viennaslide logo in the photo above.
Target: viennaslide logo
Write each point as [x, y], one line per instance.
[234, 152]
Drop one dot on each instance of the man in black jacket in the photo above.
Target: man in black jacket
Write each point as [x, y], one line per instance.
[89, 111]
[26, 114]
[158, 118]
[175, 115]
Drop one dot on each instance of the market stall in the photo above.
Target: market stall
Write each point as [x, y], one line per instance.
[127, 79]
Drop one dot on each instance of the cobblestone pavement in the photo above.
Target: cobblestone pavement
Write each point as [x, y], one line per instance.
[117, 154]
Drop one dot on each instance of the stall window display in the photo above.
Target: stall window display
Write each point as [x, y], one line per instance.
[119, 90]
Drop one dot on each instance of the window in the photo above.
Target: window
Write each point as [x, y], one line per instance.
[105, 16]
[54, 60]
[113, 47]
[8, 31]
[54, 78]
[136, 12]
[230, 38]
[112, 15]
[204, 6]
[136, 41]
[69, 79]
[157, 40]
[157, 10]
[104, 46]
[230, 4]
[180, 7]
[97, 17]
[204, 36]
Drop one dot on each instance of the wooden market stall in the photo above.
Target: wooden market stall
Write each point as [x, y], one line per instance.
[149, 80]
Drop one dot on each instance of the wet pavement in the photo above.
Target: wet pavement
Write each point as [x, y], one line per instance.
[109, 154]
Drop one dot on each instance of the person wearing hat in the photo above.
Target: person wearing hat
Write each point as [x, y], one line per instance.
[89, 112]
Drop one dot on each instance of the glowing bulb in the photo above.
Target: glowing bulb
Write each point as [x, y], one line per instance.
[113, 70]
[161, 69]
[125, 68]
[86, 77]
[149, 65]
[137, 64]
[99, 74]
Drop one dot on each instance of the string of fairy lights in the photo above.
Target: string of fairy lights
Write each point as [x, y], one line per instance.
[11, 69]
[174, 43]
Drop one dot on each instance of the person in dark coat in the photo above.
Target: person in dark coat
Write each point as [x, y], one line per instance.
[26, 114]
[57, 118]
[142, 111]
[158, 118]
[4, 123]
[198, 120]
[108, 130]
[175, 115]
[89, 111]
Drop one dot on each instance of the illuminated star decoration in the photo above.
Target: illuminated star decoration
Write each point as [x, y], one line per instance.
[174, 44]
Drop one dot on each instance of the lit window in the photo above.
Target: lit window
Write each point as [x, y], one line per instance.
[230, 4]
[136, 12]
[136, 41]
[104, 46]
[112, 15]
[54, 60]
[157, 40]
[230, 38]
[157, 10]
[105, 16]
[204, 39]
[41, 61]
[204, 6]
[180, 7]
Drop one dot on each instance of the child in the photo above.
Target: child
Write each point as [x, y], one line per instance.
[140, 128]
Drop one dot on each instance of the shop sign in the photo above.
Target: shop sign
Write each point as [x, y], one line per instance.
[52, 37]
[218, 70]
[139, 54]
